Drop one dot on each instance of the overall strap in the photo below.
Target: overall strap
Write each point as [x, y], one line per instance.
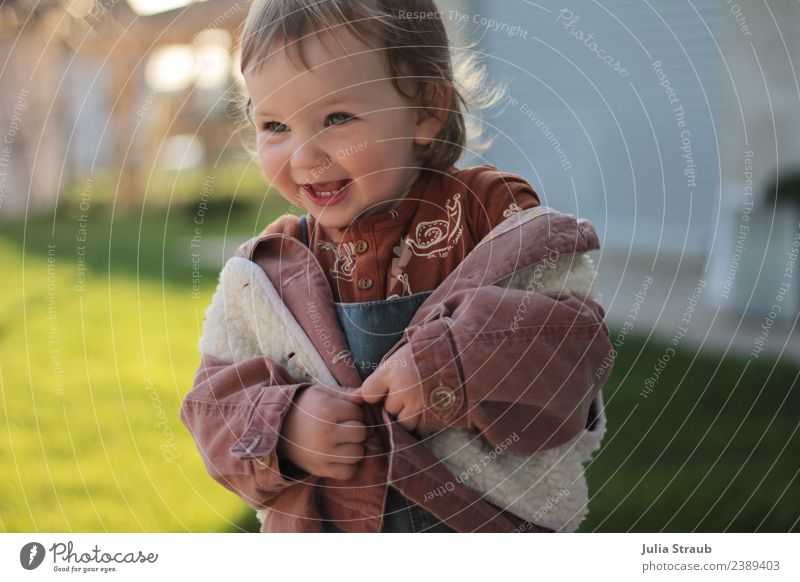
[304, 229]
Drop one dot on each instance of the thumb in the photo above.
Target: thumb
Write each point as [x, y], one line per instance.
[373, 390]
[350, 394]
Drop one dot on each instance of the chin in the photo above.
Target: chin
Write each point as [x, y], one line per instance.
[334, 223]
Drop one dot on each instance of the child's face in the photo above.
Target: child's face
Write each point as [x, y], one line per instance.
[343, 120]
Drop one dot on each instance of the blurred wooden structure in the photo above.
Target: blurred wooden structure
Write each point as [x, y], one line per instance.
[56, 54]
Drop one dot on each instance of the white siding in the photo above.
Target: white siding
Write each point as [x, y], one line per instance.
[628, 178]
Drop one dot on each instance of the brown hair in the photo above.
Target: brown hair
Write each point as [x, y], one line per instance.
[416, 46]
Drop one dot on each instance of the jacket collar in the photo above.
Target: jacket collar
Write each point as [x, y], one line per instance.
[300, 280]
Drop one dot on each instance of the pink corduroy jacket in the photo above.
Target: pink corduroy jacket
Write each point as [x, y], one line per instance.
[513, 352]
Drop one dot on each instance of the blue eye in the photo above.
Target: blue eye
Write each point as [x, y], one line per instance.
[269, 126]
[339, 115]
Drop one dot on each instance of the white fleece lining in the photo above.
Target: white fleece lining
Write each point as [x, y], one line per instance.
[319, 368]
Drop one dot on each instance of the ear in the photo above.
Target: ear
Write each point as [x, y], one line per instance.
[433, 114]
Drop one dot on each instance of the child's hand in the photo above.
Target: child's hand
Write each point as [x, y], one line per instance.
[397, 380]
[323, 432]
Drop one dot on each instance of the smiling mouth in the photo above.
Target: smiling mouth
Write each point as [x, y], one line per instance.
[326, 189]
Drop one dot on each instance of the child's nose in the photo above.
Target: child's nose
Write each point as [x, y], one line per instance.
[309, 156]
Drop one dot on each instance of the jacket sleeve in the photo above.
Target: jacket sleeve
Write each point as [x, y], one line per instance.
[234, 413]
[532, 378]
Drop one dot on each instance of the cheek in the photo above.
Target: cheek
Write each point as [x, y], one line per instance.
[402, 143]
[392, 153]
[387, 141]
[382, 153]
[270, 164]
[277, 173]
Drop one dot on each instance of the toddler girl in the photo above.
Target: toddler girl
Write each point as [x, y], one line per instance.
[376, 320]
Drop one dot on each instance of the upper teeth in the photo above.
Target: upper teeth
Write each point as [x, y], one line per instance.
[329, 194]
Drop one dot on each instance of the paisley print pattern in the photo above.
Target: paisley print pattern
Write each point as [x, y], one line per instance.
[435, 238]
[344, 262]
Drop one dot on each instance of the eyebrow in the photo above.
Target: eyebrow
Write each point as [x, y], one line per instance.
[324, 103]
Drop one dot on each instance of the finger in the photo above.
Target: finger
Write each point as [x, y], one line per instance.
[393, 404]
[343, 411]
[407, 419]
[351, 431]
[373, 392]
[349, 394]
[347, 453]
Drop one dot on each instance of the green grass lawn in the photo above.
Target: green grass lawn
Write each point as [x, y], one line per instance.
[714, 447]
[92, 379]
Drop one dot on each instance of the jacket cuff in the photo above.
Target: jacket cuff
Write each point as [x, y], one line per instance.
[441, 381]
[280, 472]
[259, 443]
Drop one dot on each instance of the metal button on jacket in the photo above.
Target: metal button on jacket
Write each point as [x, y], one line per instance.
[362, 246]
[365, 282]
[442, 398]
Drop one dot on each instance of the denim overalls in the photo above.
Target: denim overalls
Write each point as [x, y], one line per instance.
[371, 328]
